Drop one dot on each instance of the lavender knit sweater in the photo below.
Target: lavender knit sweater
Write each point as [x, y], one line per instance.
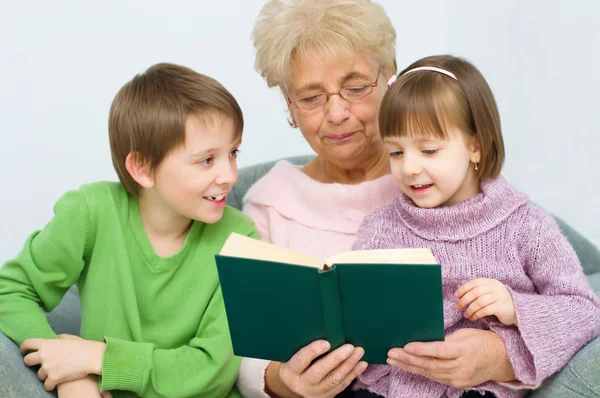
[496, 234]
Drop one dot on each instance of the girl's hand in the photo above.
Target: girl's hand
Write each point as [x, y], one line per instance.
[325, 378]
[86, 387]
[62, 360]
[486, 297]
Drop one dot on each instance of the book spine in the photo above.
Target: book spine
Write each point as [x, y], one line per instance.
[332, 307]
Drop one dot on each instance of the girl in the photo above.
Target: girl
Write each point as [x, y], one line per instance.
[506, 267]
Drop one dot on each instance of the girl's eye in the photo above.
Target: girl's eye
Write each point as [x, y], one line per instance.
[235, 153]
[395, 154]
[206, 162]
[429, 151]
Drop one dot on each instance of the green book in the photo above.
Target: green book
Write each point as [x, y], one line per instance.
[278, 300]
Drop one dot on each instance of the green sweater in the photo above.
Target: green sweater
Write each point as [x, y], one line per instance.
[163, 319]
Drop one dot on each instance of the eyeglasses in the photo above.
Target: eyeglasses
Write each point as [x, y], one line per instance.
[348, 93]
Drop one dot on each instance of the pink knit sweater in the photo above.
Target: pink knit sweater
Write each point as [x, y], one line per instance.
[292, 210]
[496, 234]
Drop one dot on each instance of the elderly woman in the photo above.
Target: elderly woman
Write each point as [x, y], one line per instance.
[331, 60]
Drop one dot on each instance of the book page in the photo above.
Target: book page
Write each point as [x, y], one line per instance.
[387, 256]
[244, 247]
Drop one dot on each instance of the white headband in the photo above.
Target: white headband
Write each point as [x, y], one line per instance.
[432, 68]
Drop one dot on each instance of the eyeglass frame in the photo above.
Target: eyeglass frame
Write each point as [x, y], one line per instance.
[339, 92]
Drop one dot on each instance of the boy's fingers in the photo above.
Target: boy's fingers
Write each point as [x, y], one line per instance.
[31, 345]
[33, 359]
[42, 374]
[65, 336]
[49, 385]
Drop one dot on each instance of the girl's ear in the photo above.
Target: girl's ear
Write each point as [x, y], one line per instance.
[140, 169]
[475, 148]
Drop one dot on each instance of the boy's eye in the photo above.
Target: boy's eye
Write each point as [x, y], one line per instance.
[235, 153]
[207, 161]
[395, 154]
[429, 151]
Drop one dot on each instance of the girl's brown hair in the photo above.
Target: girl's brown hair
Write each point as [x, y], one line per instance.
[425, 103]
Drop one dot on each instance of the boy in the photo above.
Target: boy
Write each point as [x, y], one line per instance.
[141, 251]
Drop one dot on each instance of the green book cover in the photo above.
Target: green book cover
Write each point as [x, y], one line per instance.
[277, 300]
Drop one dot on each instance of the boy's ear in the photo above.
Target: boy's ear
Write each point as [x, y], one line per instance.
[140, 169]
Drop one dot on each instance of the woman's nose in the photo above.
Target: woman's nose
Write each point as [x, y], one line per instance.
[337, 109]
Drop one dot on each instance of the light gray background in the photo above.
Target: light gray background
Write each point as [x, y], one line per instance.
[62, 62]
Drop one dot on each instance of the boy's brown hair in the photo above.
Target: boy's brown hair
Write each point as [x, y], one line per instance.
[148, 114]
[427, 103]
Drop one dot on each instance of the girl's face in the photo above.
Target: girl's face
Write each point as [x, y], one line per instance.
[435, 172]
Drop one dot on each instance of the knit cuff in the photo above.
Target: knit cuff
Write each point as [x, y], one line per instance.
[41, 330]
[124, 365]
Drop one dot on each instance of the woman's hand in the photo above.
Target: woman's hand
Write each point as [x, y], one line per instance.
[82, 388]
[486, 297]
[467, 358]
[65, 359]
[325, 378]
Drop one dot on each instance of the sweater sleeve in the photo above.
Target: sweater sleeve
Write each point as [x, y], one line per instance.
[260, 215]
[50, 262]
[559, 319]
[205, 367]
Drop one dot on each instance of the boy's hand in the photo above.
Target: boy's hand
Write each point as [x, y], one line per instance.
[62, 360]
[486, 297]
[82, 388]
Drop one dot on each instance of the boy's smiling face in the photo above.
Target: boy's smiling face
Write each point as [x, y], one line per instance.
[194, 179]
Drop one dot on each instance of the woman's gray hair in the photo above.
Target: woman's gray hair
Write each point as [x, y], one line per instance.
[286, 29]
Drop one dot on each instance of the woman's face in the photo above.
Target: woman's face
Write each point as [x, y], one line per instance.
[341, 131]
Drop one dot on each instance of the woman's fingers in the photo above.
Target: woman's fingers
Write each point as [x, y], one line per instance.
[324, 366]
[303, 358]
[340, 376]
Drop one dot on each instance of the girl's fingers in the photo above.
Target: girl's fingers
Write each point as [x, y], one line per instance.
[481, 302]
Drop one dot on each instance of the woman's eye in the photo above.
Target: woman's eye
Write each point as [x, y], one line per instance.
[356, 89]
[429, 151]
[310, 100]
[395, 154]
[235, 153]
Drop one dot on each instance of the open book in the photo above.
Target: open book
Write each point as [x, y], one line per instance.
[278, 300]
